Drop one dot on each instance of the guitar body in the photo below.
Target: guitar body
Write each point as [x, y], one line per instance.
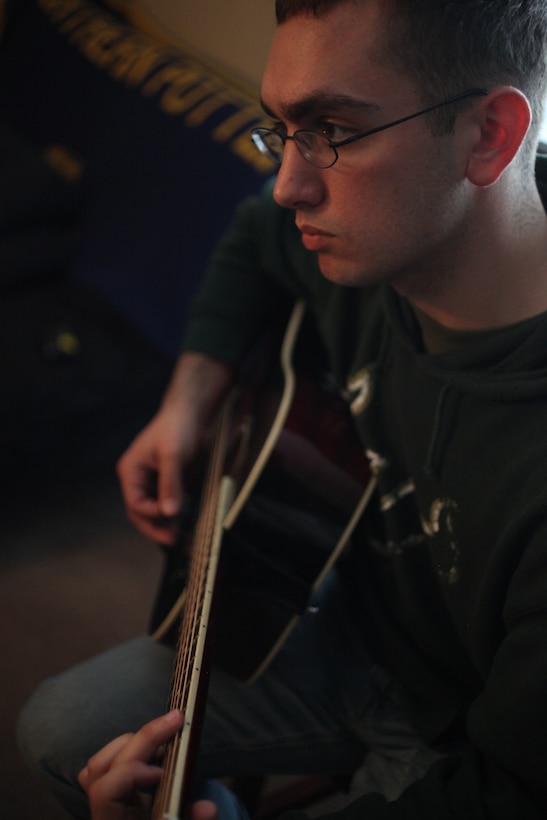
[301, 478]
[285, 485]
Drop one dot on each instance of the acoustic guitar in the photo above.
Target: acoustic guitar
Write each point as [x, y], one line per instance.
[287, 481]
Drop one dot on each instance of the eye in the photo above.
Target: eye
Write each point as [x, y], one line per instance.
[334, 132]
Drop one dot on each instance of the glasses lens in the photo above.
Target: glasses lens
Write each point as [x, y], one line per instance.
[315, 148]
[269, 143]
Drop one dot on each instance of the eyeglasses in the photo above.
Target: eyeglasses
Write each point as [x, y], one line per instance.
[321, 151]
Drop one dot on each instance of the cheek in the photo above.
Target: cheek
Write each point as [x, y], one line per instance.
[375, 206]
[388, 221]
[377, 186]
[405, 204]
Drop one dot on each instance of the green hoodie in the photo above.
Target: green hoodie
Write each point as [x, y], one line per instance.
[449, 576]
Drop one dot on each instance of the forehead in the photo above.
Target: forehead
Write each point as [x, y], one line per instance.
[338, 54]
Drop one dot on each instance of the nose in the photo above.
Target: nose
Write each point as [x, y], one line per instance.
[298, 183]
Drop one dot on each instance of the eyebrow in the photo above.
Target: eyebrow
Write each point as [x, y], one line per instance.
[320, 102]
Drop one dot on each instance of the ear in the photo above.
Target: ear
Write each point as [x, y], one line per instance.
[503, 119]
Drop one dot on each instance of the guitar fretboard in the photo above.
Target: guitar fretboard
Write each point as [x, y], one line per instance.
[187, 690]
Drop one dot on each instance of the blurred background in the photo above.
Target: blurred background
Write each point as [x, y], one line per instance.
[124, 150]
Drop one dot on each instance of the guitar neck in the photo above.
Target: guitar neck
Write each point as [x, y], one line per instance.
[188, 690]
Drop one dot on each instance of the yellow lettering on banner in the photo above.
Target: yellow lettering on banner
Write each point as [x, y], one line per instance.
[182, 87]
[73, 21]
[215, 98]
[96, 39]
[184, 77]
[70, 14]
[76, 21]
[133, 62]
[176, 98]
[59, 9]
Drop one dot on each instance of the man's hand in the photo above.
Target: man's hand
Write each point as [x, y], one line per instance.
[153, 470]
[114, 777]
[151, 478]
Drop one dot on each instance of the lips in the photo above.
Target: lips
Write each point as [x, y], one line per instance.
[314, 239]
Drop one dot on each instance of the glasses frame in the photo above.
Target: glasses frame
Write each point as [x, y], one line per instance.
[257, 133]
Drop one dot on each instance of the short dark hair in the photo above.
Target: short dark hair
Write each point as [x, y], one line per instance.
[451, 45]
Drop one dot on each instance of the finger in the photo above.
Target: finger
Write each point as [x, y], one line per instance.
[139, 746]
[143, 508]
[116, 795]
[144, 743]
[139, 485]
[157, 528]
[203, 810]
[100, 763]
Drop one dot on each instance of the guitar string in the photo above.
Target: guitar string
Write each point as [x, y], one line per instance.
[196, 580]
[193, 609]
[181, 681]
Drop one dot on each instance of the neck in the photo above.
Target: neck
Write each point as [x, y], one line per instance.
[497, 274]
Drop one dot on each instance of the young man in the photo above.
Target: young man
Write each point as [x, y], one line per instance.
[406, 214]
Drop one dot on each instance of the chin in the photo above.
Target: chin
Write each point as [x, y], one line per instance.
[344, 272]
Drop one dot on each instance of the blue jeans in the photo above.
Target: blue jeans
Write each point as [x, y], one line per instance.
[322, 706]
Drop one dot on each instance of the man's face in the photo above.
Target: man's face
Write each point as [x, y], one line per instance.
[394, 205]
